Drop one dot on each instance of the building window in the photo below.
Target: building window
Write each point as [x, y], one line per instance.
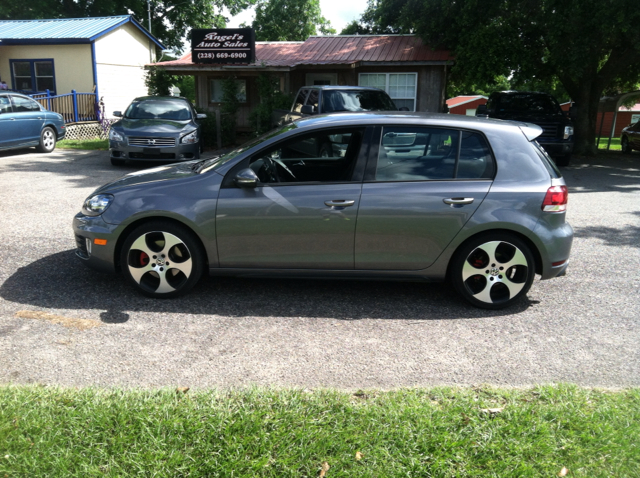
[401, 87]
[33, 75]
[216, 94]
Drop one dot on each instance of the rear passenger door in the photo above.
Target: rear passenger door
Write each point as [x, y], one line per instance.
[420, 189]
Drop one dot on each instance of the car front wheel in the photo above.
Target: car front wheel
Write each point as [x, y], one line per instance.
[47, 140]
[624, 143]
[162, 259]
[493, 270]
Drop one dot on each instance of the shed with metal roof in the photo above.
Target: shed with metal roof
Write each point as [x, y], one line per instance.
[104, 55]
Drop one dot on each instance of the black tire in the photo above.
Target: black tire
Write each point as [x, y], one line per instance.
[493, 270]
[563, 160]
[624, 143]
[47, 140]
[117, 162]
[158, 269]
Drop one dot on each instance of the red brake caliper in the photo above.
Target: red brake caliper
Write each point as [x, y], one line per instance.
[144, 258]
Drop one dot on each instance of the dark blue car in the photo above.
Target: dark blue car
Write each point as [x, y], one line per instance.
[24, 122]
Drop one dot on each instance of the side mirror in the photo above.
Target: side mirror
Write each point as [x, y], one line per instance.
[201, 116]
[117, 114]
[573, 112]
[307, 110]
[482, 111]
[246, 178]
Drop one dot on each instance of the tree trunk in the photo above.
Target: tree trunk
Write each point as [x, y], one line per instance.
[587, 97]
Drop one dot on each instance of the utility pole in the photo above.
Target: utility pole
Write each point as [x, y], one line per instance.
[149, 13]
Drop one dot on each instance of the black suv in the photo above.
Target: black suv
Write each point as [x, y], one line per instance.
[537, 108]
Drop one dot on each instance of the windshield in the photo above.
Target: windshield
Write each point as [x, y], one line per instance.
[336, 100]
[214, 163]
[527, 103]
[176, 110]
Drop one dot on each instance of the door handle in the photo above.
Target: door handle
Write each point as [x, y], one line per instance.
[340, 203]
[458, 201]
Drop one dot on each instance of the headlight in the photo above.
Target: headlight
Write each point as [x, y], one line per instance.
[568, 131]
[96, 205]
[190, 138]
[115, 136]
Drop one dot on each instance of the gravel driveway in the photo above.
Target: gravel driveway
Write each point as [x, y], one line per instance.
[61, 323]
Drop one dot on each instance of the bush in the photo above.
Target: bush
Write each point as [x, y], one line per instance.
[271, 98]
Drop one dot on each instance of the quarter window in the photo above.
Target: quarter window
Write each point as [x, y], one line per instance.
[401, 87]
[422, 154]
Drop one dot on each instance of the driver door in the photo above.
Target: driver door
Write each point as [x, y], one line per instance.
[302, 213]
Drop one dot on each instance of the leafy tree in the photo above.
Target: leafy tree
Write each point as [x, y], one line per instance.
[585, 47]
[171, 20]
[289, 20]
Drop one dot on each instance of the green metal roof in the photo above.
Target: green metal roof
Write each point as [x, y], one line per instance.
[64, 30]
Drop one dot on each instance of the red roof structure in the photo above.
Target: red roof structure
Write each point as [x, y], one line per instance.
[357, 50]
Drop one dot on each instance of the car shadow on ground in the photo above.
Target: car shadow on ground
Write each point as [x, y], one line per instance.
[606, 172]
[60, 281]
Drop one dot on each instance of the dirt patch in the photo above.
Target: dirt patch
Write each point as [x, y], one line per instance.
[69, 322]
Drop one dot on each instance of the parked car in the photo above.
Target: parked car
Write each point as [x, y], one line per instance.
[156, 128]
[24, 122]
[406, 196]
[630, 138]
[537, 108]
[315, 100]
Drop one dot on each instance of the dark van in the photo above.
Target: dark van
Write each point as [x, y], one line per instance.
[537, 108]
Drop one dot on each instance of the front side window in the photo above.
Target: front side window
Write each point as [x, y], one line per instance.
[33, 75]
[217, 93]
[323, 156]
[401, 87]
[426, 154]
[5, 105]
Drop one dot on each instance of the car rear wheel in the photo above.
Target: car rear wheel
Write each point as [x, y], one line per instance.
[47, 140]
[493, 270]
[162, 259]
[624, 143]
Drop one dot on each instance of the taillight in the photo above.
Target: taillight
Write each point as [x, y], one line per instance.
[556, 199]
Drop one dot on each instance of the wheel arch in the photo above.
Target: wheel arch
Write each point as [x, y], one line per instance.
[143, 220]
[532, 246]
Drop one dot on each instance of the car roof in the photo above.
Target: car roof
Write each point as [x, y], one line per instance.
[342, 88]
[161, 98]
[406, 118]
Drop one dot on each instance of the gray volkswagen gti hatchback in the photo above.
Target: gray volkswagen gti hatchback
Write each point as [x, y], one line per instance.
[404, 196]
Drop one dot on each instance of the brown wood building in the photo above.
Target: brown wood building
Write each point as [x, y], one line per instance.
[413, 74]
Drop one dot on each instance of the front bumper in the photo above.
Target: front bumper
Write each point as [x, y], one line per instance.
[180, 152]
[96, 242]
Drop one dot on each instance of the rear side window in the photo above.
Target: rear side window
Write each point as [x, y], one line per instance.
[554, 172]
[424, 154]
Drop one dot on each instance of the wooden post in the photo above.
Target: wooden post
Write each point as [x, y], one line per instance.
[218, 129]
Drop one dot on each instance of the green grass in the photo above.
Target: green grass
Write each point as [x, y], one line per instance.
[83, 144]
[441, 432]
[615, 144]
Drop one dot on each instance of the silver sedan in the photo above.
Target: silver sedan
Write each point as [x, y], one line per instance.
[360, 196]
